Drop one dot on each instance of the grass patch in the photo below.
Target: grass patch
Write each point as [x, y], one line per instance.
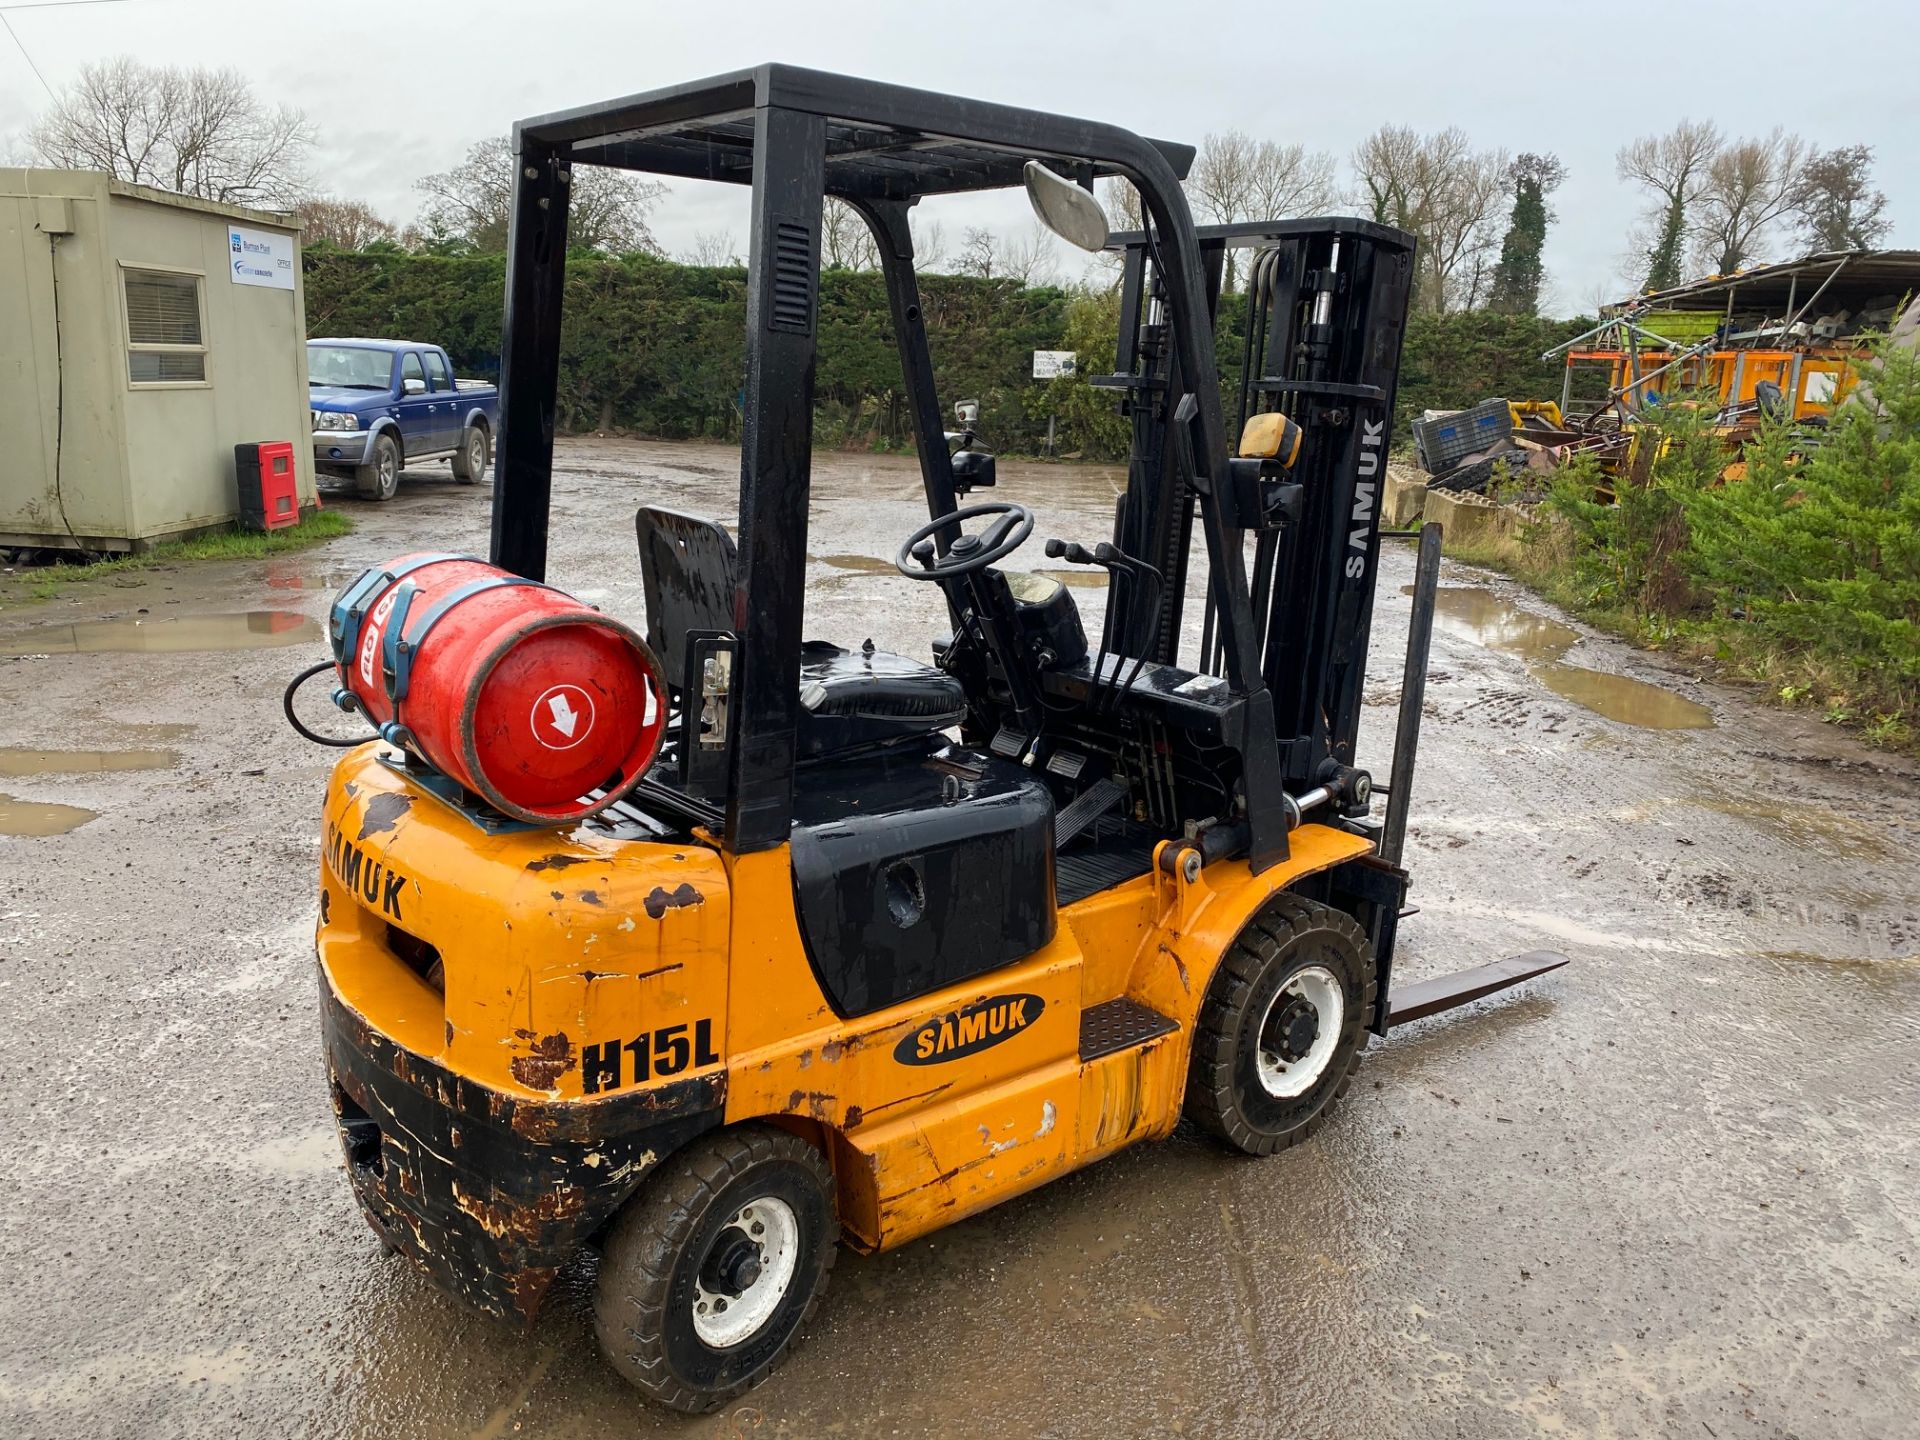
[46, 582]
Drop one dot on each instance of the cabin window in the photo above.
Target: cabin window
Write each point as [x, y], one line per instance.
[166, 332]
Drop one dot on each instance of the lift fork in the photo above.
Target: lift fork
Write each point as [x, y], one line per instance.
[1445, 992]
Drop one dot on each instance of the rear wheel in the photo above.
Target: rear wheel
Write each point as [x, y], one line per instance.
[470, 460]
[1280, 1032]
[379, 478]
[715, 1265]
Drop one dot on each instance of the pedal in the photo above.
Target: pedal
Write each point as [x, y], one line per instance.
[1008, 743]
[1119, 1025]
[1085, 808]
[1067, 764]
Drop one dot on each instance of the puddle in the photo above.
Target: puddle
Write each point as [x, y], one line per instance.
[1804, 827]
[864, 564]
[31, 817]
[1479, 615]
[1631, 702]
[16, 761]
[253, 630]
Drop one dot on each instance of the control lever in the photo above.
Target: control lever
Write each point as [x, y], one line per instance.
[1116, 563]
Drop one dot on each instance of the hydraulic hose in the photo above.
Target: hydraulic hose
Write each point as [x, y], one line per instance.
[286, 704]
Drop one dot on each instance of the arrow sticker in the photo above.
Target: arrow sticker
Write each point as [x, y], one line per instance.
[562, 716]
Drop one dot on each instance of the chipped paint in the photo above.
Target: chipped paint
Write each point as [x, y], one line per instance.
[551, 1057]
[383, 812]
[662, 899]
[557, 862]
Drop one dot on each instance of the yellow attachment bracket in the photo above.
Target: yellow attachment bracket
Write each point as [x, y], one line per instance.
[1271, 436]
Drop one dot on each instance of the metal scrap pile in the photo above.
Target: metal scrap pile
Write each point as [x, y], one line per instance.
[1464, 450]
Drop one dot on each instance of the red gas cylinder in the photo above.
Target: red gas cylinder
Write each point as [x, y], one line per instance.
[518, 691]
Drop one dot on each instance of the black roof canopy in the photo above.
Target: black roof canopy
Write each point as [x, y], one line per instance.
[883, 142]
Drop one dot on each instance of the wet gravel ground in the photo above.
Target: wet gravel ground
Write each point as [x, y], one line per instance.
[1669, 1190]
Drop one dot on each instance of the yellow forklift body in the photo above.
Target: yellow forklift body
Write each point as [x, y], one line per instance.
[568, 975]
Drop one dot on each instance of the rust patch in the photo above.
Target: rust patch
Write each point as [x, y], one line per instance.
[352, 787]
[663, 899]
[326, 907]
[817, 1103]
[555, 862]
[384, 812]
[449, 1039]
[854, 1116]
[556, 894]
[521, 1222]
[552, 1057]
[834, 1049]
[591, 897]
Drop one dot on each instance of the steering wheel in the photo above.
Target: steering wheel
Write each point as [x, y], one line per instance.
[970, 553]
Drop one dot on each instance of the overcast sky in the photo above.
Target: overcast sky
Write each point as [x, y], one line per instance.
[399, 90]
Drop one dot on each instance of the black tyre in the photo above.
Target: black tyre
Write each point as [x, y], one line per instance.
[715, 1265]
[470, 460]
[1471, 477]
[379, 478]
[1280, 1032]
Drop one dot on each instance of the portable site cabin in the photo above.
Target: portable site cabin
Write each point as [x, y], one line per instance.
[143, 335]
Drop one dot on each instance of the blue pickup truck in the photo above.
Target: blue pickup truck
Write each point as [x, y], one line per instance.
[382, 405]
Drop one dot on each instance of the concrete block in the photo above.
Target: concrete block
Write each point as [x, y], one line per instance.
[1466, 519]
[1406, 497]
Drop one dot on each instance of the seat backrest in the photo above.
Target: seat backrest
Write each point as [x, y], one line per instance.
[687, 573]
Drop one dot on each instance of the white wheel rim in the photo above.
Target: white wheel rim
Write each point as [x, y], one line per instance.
[476, 455]
[722, 1320]
[1288, 1079]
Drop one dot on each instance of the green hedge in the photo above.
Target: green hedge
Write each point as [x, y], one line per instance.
[657, 347]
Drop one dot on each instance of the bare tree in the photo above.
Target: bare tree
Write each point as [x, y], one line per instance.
[1122, 204]
[845, 241]
[1235, 178]
[200, 132]
[714, 249]
[1751, 184]
[929, 244]
[1836, 204]
[469, 205]
[350, 224]
[1447, 194]
[979, 254]
[1673, 168]
[1032, 260]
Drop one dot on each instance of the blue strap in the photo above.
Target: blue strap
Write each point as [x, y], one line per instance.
[350, 610]
[400, 647]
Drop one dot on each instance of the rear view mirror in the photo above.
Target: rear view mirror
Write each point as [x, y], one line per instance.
[1066, 209]
[412, 386]
[972, 470]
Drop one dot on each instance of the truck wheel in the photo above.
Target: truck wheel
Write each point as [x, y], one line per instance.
[1279, 1034]
[715, 1264]
[379, 478]
[470, 460]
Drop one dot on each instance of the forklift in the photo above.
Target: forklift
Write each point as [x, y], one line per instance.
[872, 943]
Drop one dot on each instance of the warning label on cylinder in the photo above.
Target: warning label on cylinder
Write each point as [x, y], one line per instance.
[562, 716]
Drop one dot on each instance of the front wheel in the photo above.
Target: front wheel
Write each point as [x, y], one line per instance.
[1280, 1032]
[379, 478]
[715, 1265]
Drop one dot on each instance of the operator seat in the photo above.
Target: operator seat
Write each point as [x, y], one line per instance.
[848, 699]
